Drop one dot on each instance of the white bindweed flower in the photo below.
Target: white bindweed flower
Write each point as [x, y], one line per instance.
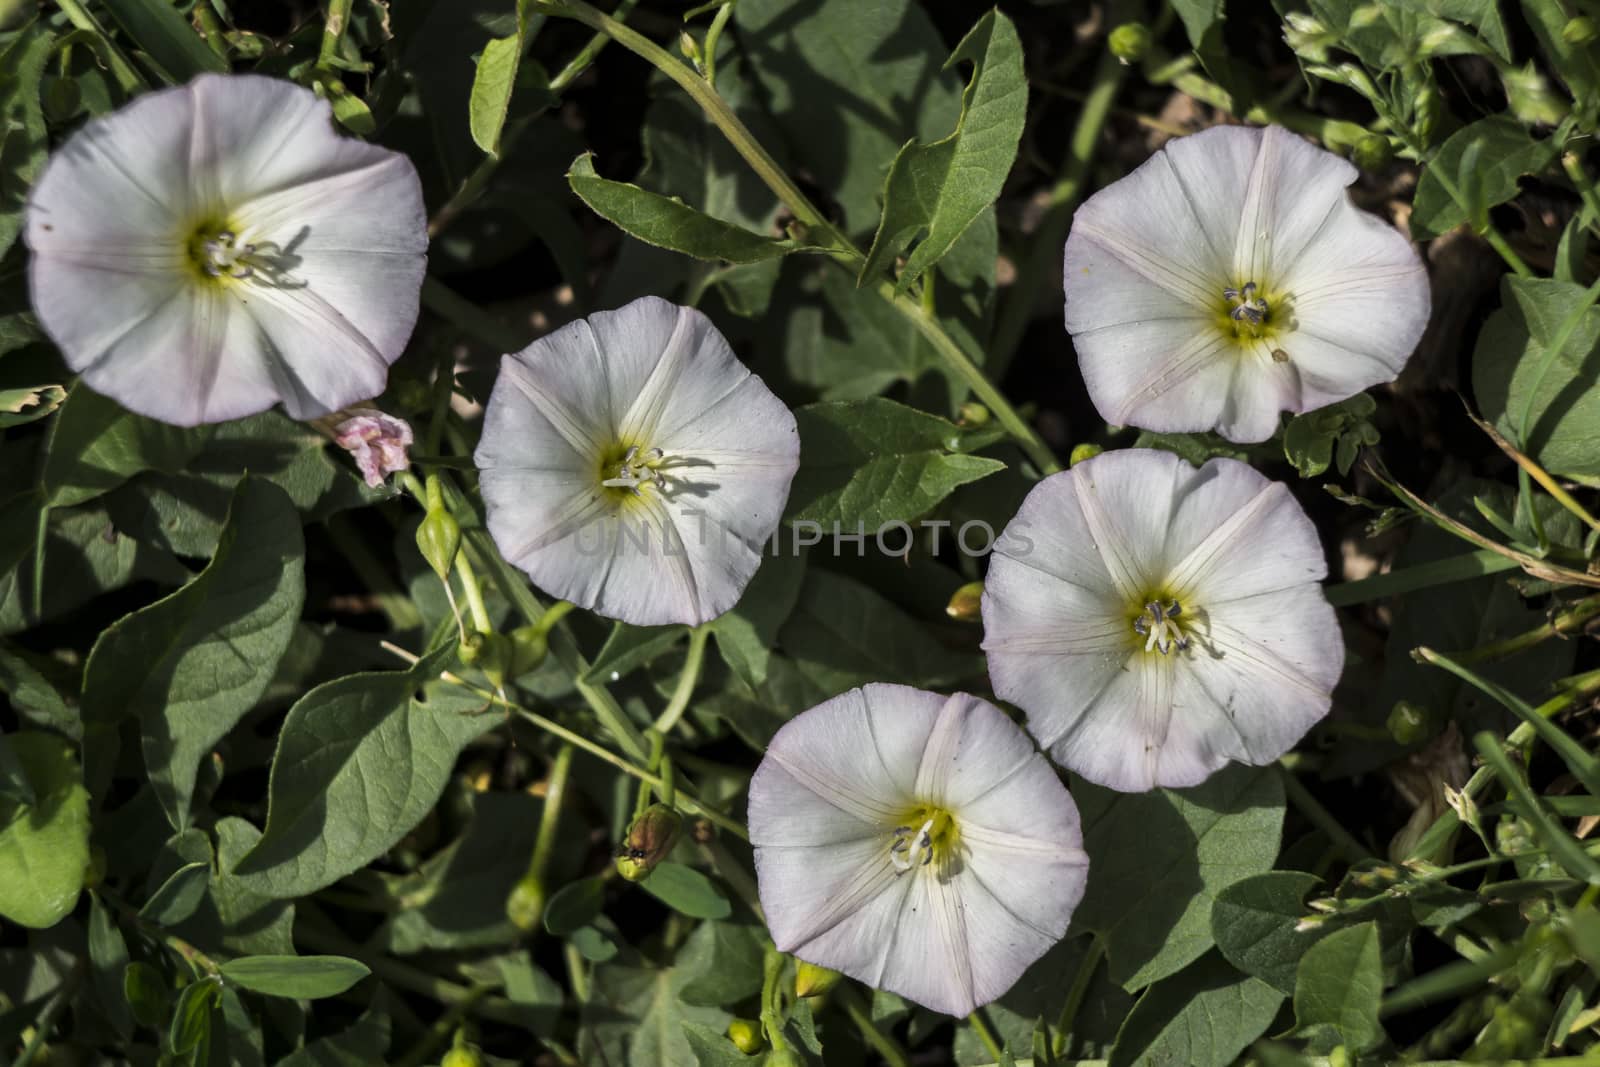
[211, 250]
[1229, 278]
[632, 465]
[1157, 621]
[916, 842]
[377, 442]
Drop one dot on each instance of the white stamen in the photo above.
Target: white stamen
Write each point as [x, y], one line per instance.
[1160, 628]
[634, 472]
[912, 848]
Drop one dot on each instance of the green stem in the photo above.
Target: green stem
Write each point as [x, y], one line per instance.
[771, 1017]
[1420, 576]
[1044, 250]
[572, 737]
[714, 38]
[475, 604]
[686, 681]
[333, 31]
[972, 376]
[1075, 994]
[885, 1045]
[128, 77]
[1573, 618]
[985, 1035]
[1354, 851]
[823, 232]
[555, 793]
[442, 1029]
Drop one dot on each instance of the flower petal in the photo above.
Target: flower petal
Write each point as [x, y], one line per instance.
[1257, 539]
[120, 182]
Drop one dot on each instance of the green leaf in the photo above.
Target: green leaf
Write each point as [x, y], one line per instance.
[636, 1015]
[24, 141]
[1505, 153]
[667, 222]
[711, 1047]
[360, 761]
[1160, 859]
[1482, 15]
[44, 847]
[1339, 984]
[687, 891]
[108, 959]
[492, 86]
[1310, 439]
[943, 187]
[178, 896]
[574, 905]
[231, 916]
[1203, 1016]
[746, 634]
[145, 989]
[307, 977]
[629, 647]
[192, 665]
[844, 634]
[1198, 17]
[844, 342]
[725, 959]
[1533, 370]
[364, 1042]
[868, 463]
[1576, 64]
[19, 406]
[158, 28]
[848, 83]
[1254, 925]
[33, 695]
[95, 445]
[191, 1020]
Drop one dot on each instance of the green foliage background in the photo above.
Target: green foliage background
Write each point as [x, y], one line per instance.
[258, 805]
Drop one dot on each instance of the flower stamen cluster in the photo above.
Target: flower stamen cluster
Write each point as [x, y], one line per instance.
[638, 469]
[1160, 628]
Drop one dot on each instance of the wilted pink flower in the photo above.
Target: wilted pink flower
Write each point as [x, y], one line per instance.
[377, 441]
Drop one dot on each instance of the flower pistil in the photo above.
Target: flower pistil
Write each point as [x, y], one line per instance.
[638, 467]
[1160, 628]
[929, 834]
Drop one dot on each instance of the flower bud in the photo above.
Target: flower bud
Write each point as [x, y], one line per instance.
[439, 539]
[813, 981]
[1464, 806]
[1087, 450]
[1426, 112]
[649, 840]
[972, 414]
[1581, 30]
[1129, 42]
[966, 604]
[1372, 152]
[1408, 723]
[746, 1036]
[525, 905]
[529, 647]
[378, 442]
[691, 50]
[462, 1055]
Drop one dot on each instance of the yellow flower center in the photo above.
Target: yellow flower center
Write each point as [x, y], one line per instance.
[1161, 623]
[1254, 317]
[628, 469]
[927, 838]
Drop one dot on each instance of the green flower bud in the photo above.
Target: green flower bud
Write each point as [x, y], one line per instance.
[462, 1056]
[525, 905]
[972, 415]
[529, 647]
[746, 1036]
[966, 604]
[1426, 111]
[1129, 42]
[1408, 723]
[1372, 152]
[1082, 452]
[813, 981]
[649, 840]
[1581, 30]
[439, 539]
